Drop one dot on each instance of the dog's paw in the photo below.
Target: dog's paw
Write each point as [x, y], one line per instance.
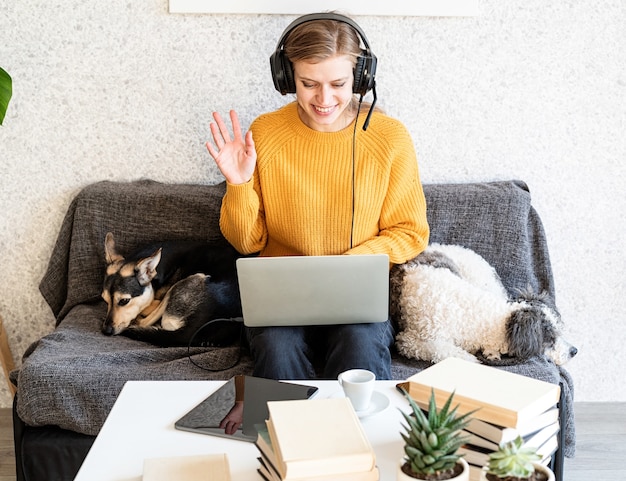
[466, 356]
[410, 345]
[491, 355]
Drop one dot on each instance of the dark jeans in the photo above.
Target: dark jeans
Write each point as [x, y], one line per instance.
[293, 352]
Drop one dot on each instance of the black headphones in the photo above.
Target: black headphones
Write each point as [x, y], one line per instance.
[282, 69]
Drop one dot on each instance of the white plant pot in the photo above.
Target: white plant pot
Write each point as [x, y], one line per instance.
[538, 467]
[464, 476]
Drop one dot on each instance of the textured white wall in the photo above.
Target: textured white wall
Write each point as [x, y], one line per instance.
[532, 90]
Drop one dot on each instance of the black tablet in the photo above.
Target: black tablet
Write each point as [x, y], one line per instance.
[236, 407]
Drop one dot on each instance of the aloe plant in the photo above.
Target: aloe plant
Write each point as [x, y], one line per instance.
[432, 441]
[513, 461]
[5, 92]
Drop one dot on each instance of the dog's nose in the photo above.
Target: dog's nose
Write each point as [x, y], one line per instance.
[107, 329]
[573, 351]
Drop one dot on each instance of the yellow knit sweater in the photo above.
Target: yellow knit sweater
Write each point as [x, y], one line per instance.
[299, 201]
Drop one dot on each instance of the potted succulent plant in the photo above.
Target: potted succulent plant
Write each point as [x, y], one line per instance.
[432, 441]
[515, 462]
[5, 92]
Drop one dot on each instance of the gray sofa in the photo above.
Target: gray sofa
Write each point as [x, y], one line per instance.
[70, 378]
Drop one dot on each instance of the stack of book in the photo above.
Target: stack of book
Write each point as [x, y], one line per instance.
[507, 405]
[315, 440]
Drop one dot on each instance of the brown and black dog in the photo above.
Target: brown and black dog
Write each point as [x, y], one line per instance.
[165, 293]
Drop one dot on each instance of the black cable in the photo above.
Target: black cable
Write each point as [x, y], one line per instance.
[238, 322]
[358, 111]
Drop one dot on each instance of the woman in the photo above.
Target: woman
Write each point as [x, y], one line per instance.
[305, 181]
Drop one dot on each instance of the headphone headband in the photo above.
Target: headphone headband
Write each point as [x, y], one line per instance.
[311, 17]
[282, 69]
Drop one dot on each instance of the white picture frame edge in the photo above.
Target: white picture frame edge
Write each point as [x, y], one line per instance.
[433, 8]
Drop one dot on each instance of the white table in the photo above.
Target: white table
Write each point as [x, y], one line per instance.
[141, 425]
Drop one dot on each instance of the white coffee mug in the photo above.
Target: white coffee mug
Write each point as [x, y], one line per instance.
[358, 386]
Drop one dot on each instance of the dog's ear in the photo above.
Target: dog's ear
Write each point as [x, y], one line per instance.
[146, 268]
[524, 332]
[110, 254]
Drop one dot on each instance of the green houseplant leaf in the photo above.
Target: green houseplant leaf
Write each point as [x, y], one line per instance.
[432, 439]
[6, 91]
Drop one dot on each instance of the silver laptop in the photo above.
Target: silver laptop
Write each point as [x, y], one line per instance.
[313, 290]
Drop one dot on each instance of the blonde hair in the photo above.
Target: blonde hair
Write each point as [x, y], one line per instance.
[322, 39]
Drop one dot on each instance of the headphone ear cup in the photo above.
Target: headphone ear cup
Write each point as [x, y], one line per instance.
[359, 73]
[290, 83]
[364, 72]
[282, 73]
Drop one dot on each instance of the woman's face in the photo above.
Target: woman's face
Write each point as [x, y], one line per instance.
[324, 92]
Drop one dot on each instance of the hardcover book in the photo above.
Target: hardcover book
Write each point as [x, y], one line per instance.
[268, 471]
[535, 439]
[269, 474]
[499, 434]
[316, 438]
[501, 397]
[190, 468]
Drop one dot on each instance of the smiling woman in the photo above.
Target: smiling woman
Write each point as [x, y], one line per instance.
[5, 92]
[305, 181]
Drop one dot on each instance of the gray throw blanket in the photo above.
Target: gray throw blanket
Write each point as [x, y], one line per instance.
[71, 377]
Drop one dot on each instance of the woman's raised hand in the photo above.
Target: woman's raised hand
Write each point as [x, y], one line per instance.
[236, 157]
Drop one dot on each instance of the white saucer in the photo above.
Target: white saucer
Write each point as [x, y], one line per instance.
[378, 404]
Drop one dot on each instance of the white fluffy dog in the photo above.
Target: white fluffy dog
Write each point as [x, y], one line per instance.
[449, 301]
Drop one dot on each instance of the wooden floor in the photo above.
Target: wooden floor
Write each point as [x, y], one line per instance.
[7, 457]
[600, 444]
